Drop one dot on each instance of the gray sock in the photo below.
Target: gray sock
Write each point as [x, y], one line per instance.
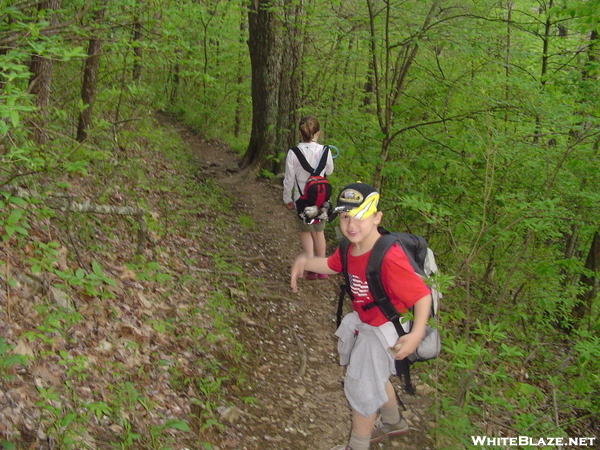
[390, 415]
[359, 442]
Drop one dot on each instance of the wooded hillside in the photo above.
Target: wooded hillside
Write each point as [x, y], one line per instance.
[478, 121]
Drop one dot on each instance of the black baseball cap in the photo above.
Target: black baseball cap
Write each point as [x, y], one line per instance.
[360, 200]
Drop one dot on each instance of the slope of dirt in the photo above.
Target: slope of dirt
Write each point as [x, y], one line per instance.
[294, 375]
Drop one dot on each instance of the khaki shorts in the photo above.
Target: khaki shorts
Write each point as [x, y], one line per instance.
[305, 228]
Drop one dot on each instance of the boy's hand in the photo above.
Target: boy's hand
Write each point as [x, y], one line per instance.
[297, 271]
[406, 345]
[304, 263]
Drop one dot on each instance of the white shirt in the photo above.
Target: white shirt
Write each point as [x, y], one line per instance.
[294, 173]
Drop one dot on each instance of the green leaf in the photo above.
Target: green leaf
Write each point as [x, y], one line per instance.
[3, 127]
[177, 424]
[65, 421]
[530, 390]
[14, 217]
[14, 118]
[17, 201]
[22, 231]
[9, 231]
[7, 445]
[97, 268]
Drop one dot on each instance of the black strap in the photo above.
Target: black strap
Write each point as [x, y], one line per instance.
[323, 161]
[306, 166]
[344, 288]
[403, 371]
[340, 306]
[382, 245]
[302, 159]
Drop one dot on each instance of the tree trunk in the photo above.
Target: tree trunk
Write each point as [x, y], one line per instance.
[368, 86]
[546, 44]
[290, 82]
[592, 57]
[175, 81]
[383, 156]
[89, 84]
[40, 82]
[546, 36]
[240, 77]
[592, 264]
[507, 57]
[265, 57]
[137, 51]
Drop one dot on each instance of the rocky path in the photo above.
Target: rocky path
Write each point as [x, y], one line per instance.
[293, 375]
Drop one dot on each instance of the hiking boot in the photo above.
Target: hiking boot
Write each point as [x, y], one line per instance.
[322, 276]
[311, 276]
[383, 430]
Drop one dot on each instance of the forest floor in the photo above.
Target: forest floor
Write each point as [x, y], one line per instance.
[294, 375]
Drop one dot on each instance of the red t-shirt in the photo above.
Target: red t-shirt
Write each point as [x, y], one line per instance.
[400, 282]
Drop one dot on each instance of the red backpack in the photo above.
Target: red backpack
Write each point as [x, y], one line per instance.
[313, 204]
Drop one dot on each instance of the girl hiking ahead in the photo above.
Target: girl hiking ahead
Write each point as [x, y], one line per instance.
[312, 236]
[368, 342]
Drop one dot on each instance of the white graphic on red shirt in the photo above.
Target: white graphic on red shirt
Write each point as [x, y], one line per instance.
[359, 288]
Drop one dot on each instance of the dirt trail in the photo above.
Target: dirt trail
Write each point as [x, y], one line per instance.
[294, 373]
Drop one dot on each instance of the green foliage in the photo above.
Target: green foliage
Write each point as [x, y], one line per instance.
[158, 431]
[56, 322]
[65, 427]
[93, 283]
[99, 409]
[14, 224]
[149, 271]
[7, 445]
[43, 256]
[486, 143]
[267, 174]
[89, 280]
[7, 360]
[129, 437]
[246, 221]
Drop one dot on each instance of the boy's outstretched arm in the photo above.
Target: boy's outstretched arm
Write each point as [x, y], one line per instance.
[408, 343]
[304, 263]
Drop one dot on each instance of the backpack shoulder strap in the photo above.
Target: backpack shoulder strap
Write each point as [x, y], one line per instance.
[302, 159]
[380, 298]
[344, 246]
[322, 162]
[344, 287]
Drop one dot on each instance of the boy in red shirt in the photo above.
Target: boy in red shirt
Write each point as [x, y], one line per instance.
[368, 342]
